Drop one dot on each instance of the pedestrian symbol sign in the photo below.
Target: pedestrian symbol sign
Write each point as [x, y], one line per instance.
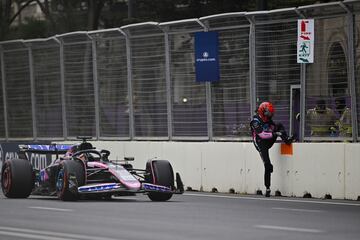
[305, 42]
[304, 46]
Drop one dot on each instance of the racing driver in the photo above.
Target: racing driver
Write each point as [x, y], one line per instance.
[265, 132]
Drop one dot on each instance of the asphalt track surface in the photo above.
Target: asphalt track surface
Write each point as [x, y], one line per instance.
[190, 216]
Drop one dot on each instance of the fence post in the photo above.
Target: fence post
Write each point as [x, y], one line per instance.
[351, 71]
[3, 78]
[32, 92]
[62, 80]
[302, 101]
[96, 86]
[129, 81]
[302, 91]
[168, 83]
[209, 111]
[252, 65]
[210, 133]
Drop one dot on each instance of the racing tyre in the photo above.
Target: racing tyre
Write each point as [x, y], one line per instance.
[159, 172]
[17, 179]
[71, 175]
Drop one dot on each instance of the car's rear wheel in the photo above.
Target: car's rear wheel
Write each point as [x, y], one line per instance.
[71, 175]
[160, 172]
[17, 179]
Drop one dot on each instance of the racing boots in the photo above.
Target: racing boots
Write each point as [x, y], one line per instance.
[267, 193]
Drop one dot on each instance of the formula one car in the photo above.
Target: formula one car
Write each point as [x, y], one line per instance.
[86, 172]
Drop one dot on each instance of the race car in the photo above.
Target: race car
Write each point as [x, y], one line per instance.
[86, 172]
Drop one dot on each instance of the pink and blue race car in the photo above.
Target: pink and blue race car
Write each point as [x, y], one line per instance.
[86, 172]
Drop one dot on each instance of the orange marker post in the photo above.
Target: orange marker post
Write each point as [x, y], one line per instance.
[286, 149]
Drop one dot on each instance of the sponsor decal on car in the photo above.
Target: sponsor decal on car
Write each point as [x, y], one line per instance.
[157, 188]
[99, 187]
[53, 147]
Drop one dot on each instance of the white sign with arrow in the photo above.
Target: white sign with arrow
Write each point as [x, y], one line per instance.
[305, 42]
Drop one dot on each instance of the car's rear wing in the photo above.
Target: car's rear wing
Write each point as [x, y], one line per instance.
[45, 149]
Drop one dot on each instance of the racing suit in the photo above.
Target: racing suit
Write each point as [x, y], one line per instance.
[264, 136]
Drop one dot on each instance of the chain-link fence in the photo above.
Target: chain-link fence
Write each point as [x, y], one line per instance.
[137, 82]
[46, 94]
[112, 85]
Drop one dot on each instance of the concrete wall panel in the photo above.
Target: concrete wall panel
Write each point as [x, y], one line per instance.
[317, 168]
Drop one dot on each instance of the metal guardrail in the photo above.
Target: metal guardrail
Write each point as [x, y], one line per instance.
[137, 82]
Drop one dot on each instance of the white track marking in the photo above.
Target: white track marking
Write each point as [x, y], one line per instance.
[32, 236]
[47, 235]
[291, 229]
[52, 209]
[298, 210]
[273, 199]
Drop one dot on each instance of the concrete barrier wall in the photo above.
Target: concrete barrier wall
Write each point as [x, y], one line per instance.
[352, 171]
[317, 168]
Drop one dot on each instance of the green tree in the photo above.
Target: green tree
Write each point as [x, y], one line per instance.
[60, 16]
[8, 18]
[5, 9]
[75, 15]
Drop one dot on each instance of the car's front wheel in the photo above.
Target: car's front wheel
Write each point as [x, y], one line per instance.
[160, 172]
[17, 179]
[71, 175]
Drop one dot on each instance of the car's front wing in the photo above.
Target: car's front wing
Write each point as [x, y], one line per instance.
[117, 187]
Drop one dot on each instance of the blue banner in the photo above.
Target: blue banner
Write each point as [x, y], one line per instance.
[206, 57]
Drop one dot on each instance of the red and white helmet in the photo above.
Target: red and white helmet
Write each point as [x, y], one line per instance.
[266, 111]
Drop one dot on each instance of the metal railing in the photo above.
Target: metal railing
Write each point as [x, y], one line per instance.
[137, 82]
